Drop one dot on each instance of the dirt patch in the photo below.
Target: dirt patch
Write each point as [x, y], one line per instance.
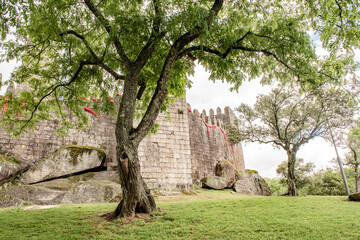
[202, 195]
[35, 207]
[105, 219]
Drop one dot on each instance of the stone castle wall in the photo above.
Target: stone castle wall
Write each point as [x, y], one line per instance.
[183, 151]
[208, 146]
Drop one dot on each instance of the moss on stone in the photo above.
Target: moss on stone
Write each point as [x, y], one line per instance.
[61, 186]
[82, 177]
[76, 150]
[188, 192]
[7, 201]
[9, 160]
[108, 194]
[250, 171]
[230, 163]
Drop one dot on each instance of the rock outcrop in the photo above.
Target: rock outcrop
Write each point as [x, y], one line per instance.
[226, 170]
[251, 183]
[246, 182]
[31, 194]
[93, 192]
[214, 182]
[66, 176]
[10, 168]
[69, 159]
[86, 188]
[355, 197]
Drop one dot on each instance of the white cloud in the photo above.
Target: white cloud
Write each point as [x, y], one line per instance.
[206, 94]
[5, 69]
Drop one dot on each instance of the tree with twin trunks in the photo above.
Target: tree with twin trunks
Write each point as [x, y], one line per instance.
[288, 120]
[145, 50]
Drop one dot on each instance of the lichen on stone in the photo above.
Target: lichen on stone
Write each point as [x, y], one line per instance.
[76, 150]
[250, 171]
[188, 192]
[82, 177]
[9, 160]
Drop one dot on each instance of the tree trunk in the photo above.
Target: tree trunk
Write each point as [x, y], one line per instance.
[136, 195]
[356, 177]
[291, 173]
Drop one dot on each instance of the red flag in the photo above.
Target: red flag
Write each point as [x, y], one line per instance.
[23, 104]
[5, 107]
[90, 111]
[207, 127]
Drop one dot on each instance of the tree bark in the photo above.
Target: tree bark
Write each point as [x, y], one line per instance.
[356, 177]
[136, 195]
[291, 173]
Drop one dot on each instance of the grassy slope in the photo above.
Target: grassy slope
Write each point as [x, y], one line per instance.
[209, 215]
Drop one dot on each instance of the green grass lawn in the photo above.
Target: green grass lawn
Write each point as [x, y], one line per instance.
[208, 215]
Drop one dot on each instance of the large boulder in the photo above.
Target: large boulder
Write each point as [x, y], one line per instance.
[67, 160]
[100, 191]
[85, 188]
[355, 197]
[226, 170]
[214, 182]
[29, 194]
[251, 183]
[10, 168]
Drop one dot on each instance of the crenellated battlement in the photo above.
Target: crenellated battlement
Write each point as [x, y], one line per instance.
[220, 119]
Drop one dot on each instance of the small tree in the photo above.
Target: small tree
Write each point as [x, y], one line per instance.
[302, 172]
[325, 182]
[352, 158]
[288, 120]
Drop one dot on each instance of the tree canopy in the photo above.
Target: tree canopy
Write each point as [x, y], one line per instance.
[74, 49]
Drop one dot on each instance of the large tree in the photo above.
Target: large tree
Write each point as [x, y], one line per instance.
[288, 119]
[71, 49]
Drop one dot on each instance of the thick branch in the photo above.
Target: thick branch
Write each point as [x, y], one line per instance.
[153, 40]
[141, 90]
[340, 14]
[266, 142]
[225, 54]
[157, 20]
[106, 24]
[93, 54]
[148, 49]
[188, 51]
